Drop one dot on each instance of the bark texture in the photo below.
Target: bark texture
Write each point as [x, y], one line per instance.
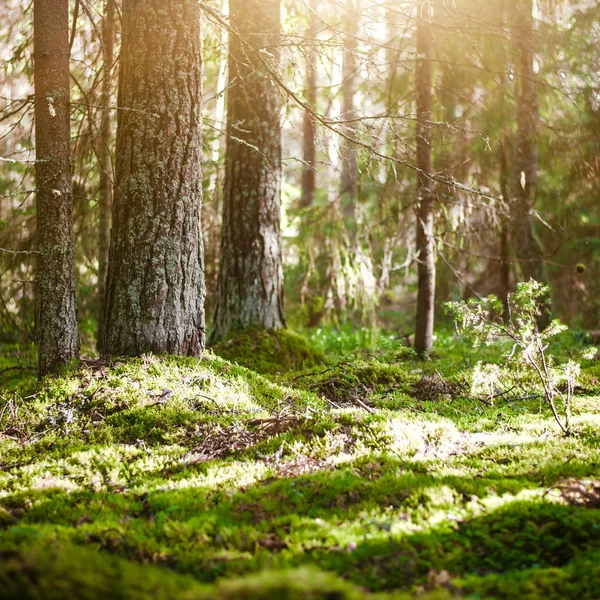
[309, 132]
[155, 284]
[105, 164]
[425, 188]
[526, 246]
[250, 286]
[58, 341]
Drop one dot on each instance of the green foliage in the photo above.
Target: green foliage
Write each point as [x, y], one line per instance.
[347, 339]
[18, 363]
[482, 321]
[56, 573]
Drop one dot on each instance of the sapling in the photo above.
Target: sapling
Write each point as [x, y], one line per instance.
[483, 321]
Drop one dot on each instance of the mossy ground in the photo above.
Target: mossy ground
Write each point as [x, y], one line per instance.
[165, 477]
[269, 352]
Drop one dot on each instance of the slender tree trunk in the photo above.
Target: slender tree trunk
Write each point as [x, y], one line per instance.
[392, 61]
[349, 178]
[504, 180]
[526, 246]
[392, 51]
[425, 189]
[57, 307]
[309, 133]
[105, 164]
[250, 286]
[155, 284]
[211, 219]
[504, 287]
[218, 114]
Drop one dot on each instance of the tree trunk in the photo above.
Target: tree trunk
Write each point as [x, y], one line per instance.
[250, 286]
[309, 133]
[105, 164]
[504, 284]
[504, 180]
[349, 177]
[57, 307]
[425, 189]
[527, 248]
[211, 202]
[155, 284]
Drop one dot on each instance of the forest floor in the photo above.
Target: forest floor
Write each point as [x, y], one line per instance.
[343, 470]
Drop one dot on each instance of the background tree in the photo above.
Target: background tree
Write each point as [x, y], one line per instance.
[327, 283]
[250, 285]
[105, 162]
[155, 284]
[425, 189]
[58, 340]
[348, 116]
[309, 132]
[526, 245]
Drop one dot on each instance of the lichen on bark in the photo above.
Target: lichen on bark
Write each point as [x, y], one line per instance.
[58, 341]
[155, 284]
[250, 285]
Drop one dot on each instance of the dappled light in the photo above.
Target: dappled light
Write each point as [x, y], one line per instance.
[299, 299]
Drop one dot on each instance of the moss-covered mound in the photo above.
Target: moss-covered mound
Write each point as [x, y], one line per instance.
[63, 573]
[269, 352]
[355, 382]
[163, 477]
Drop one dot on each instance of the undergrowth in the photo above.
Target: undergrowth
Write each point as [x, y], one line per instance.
[373, 475]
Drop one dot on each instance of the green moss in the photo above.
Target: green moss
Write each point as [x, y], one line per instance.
[18, 367]
[590, 376]
[578, 580]
[31, 572]
[346, 381]
[269, 352]
[52, 573]
[178, 477]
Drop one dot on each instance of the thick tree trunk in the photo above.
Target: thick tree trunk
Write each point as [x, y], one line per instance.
[105, 164]
[57, 307]
[155, 284]
[309, 133]
[349, 177]
[250, 286]
[425, 189]
[527, 248]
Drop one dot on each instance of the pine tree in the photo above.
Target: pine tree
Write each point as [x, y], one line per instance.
[58, 341]
[349, 158]
[105, 163]
[425, 189]
[526, 246]
[155, 284]
[250, 285]
[309, 133]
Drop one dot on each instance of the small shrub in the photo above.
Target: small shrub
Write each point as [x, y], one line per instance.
[483, 321]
